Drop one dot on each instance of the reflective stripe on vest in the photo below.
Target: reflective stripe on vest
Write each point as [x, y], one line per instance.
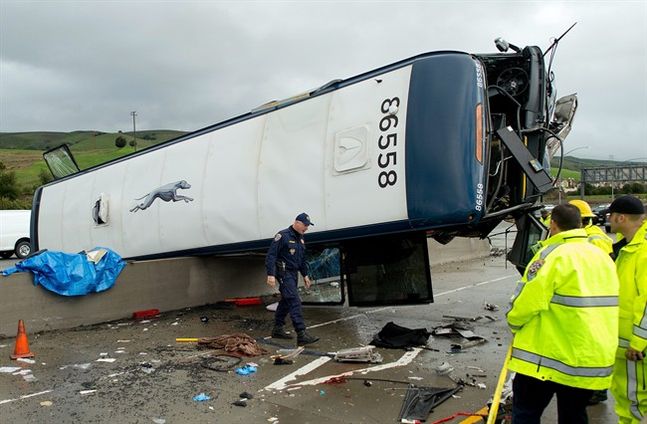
[585, 301]
[643, 321]
[632, 385]
[517, 291]
[623, 342]
[597, 237]
[543, 361]
[640, 332]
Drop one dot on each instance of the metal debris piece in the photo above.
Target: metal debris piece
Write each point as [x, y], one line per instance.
[358, 354]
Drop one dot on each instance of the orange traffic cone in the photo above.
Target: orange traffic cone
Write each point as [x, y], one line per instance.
[22, 345]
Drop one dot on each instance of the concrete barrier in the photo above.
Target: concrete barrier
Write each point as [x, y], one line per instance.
[166, 285]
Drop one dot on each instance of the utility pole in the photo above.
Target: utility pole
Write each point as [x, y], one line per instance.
[134, 114]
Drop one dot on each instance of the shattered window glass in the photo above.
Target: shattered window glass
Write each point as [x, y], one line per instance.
[324, 265]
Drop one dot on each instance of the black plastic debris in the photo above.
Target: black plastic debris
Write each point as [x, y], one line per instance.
[204, 319]
[246, 395]
[394, 336]
[240, 402]
[420, 401]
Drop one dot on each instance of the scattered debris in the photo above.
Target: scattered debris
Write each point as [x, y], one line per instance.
[240, 402]
[322, 392]
[272, 306]
[29, 378]
[278, 360]
[204, 319]
[444, 368]
[272, 419]
[481, 386]
[26, 360]
[414, 378]
[246, 395]
[472, 367]
[419, 401]
[491, 307]
[123, 341]
[286, 356]
[358, 354]
[221, 363]
[368, 383]
[201, 397]
[455, 348]
[46, 403]
[9, 369]
[111, 360]
[246, 370]
[159, 420]
[238, 344]
[396, 337]
[87, 392]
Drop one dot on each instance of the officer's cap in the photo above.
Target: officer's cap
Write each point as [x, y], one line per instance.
[627, 204]
[303, 217]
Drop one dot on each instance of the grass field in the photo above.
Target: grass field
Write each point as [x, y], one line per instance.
[89, 148]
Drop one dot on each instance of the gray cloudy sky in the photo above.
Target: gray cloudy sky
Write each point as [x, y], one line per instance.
[69, 65]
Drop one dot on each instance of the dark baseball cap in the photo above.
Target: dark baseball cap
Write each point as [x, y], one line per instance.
[303, 217]
[627, 204]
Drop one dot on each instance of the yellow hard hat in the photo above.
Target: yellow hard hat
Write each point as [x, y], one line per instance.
[585, 209]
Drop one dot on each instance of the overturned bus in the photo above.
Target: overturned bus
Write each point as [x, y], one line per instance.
[439, 145]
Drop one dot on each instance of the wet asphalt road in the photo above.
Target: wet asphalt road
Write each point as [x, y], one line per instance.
[153, 379]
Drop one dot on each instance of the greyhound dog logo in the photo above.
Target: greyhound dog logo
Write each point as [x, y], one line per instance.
[167, 193]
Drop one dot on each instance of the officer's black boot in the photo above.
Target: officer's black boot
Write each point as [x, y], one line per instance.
[304, 338]
[280, 333]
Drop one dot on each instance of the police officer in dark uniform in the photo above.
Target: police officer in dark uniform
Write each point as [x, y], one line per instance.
[286, 257]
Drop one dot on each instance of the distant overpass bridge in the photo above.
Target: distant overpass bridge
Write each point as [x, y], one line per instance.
[613, 174]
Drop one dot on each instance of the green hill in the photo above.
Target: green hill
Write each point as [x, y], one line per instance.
[81, 140]
[22, 152]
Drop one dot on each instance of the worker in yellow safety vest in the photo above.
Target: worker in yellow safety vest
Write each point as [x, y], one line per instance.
[545, 217]
[596, 235]
[564, 317]
[598, 238]
[630, 374]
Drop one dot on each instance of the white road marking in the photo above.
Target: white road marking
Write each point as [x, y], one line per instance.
[372, 311]
[281, 384]
[405, 359]
[24, 397]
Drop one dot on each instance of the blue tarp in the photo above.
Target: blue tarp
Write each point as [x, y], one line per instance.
[72, 274]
